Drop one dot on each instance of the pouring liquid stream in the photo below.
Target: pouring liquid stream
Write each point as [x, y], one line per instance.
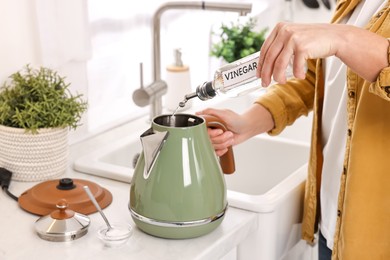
[181, 105]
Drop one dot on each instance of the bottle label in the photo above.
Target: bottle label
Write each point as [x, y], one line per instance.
[240, 74]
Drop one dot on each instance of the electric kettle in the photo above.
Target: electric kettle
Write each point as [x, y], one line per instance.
[178, 189]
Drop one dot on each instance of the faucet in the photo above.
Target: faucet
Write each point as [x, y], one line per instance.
[152, 94]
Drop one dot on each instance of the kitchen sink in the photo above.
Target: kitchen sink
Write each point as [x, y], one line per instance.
[269, 179]
[261, 158]
[278, 155]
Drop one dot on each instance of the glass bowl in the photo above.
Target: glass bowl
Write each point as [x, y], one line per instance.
[117, 235]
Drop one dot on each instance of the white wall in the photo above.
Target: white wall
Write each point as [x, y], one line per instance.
[18, 44]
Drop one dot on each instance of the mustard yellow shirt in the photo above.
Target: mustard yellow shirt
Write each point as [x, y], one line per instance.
[363, 224]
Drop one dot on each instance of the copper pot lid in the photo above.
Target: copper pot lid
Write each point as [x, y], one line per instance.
[43, 197]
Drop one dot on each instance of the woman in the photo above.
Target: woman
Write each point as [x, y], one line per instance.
[347, 86]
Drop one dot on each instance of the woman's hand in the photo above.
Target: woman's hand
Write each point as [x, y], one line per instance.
[254, 121]
[222, 140]
[300, 42]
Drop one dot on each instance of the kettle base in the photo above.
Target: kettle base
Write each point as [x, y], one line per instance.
[177, 230]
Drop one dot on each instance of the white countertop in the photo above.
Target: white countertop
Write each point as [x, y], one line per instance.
[18, 239]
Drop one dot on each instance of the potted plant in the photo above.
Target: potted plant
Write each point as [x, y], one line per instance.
[36, 112]
[237, 40]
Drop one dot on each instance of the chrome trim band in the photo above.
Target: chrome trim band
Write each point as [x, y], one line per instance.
[192, 223]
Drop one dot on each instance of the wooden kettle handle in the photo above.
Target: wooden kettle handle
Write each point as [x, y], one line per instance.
[227, 160]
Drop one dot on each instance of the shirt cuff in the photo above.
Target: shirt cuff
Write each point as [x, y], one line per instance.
[381, 86]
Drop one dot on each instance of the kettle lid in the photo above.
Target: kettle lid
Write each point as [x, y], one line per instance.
[42, 199]
[62, 224]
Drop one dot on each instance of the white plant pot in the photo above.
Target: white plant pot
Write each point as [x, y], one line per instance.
[34, 157]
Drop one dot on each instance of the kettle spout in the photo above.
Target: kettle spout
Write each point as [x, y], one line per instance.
[152, 143]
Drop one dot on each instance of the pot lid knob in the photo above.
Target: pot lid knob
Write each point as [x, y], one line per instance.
[66, 184]
[62, 211]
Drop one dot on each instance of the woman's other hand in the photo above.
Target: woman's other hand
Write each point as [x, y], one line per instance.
[299, 42]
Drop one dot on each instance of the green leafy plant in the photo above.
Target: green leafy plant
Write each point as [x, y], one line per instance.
[39, 98]
[237, 41]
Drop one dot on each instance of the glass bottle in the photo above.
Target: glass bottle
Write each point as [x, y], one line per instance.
[235, 79]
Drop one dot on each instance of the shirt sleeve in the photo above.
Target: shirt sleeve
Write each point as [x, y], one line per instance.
[381, 86]
[287, 102]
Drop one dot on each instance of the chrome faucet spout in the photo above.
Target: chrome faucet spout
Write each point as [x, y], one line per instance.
[241, 8]
[156, 100]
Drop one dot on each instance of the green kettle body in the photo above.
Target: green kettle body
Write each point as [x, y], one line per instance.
[183, 195]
